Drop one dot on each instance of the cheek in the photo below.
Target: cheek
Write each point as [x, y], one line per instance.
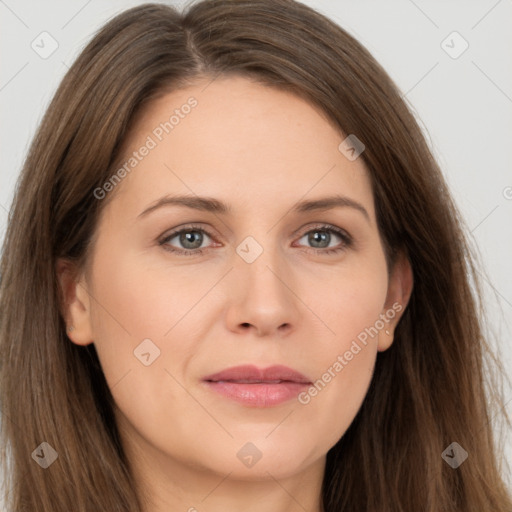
[139, 321]
[137, 310]
[344, 359]
[142, 297]
[349, 298]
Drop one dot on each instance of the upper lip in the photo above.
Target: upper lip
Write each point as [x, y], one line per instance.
[250, 373]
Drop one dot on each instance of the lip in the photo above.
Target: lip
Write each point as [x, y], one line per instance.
[258, 387]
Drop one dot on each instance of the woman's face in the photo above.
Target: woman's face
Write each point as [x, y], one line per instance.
[258, 277]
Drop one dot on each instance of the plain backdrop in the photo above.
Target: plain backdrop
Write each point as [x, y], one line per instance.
[459, 86]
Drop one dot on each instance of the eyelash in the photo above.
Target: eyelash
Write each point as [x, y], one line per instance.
[346, 240]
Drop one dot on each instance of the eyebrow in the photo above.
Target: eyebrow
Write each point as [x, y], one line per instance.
[210, 204]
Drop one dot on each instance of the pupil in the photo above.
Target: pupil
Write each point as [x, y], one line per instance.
[188, 238]
[323, 237]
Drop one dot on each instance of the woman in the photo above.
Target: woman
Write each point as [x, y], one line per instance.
[319, 349]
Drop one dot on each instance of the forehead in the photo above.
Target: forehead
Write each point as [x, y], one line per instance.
[250, 145]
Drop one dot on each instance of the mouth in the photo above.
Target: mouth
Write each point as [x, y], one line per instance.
[255, 387]
[248, 381]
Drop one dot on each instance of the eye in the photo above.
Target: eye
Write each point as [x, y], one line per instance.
[190, 237]
[321, 236]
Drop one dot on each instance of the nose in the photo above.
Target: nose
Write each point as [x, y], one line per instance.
[263, 301]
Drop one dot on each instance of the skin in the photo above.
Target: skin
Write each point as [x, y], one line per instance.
[261, 151]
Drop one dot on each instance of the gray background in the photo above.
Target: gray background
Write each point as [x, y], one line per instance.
[464, 104]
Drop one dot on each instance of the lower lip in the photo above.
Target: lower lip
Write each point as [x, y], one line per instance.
[258, 395]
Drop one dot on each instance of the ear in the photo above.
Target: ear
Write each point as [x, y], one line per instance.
[75, 303]
[399, 292]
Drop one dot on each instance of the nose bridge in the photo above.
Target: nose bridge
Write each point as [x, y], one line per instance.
[260, 262]
[263, 298]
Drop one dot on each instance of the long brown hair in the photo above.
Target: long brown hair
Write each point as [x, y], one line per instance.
[431, 388]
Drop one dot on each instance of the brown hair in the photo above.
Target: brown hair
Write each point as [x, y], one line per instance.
[429, 389]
